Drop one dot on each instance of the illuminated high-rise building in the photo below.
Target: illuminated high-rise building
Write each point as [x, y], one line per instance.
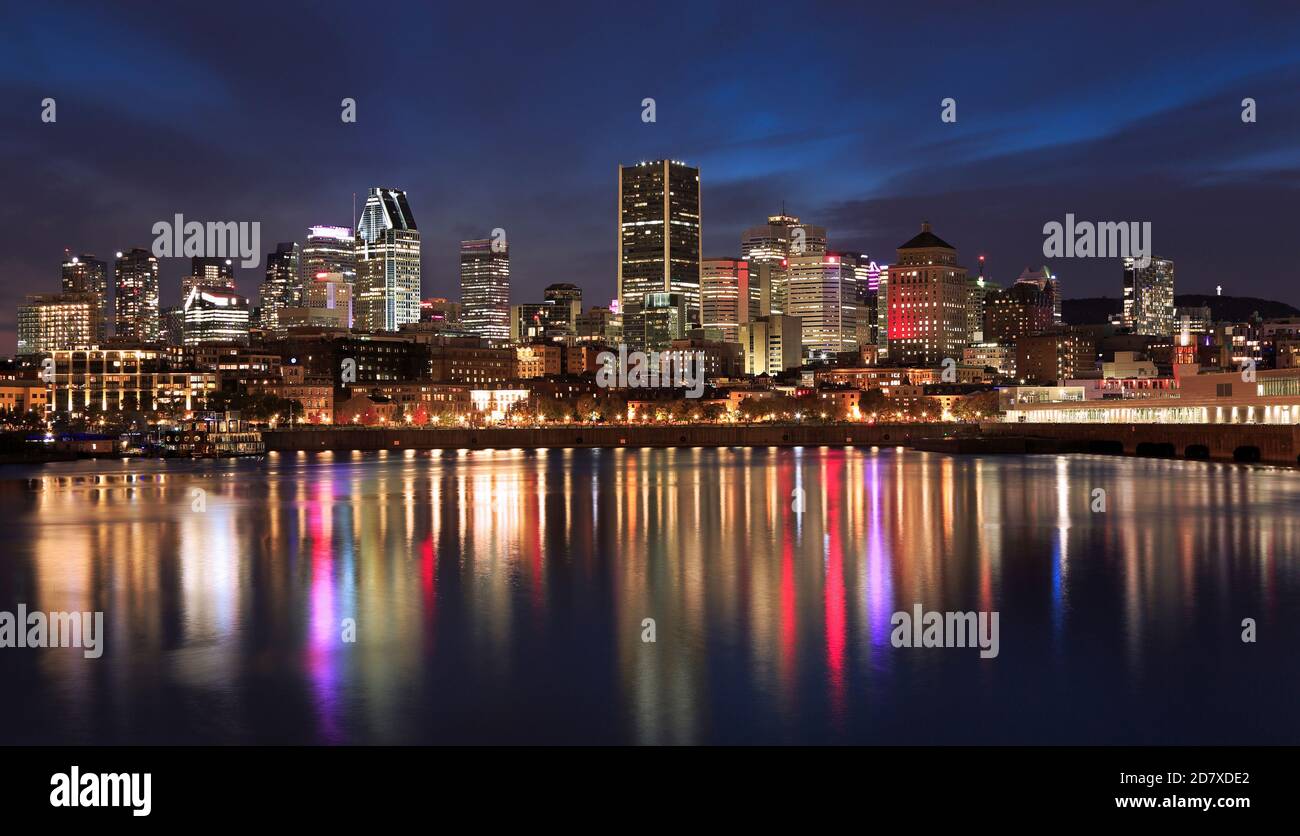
[729, 296]
[328, 249]
[57, 321]
[485, 288]
[1149, 297]
[927, 302]
[282, 288]
[822, 292]
[87, 274]
[388, 263]
[658, 240]
[215, 315]
[136, 314]
[768, 246]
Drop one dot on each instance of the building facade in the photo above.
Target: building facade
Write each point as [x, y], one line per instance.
[54, 321]
[927, 300]
[388, 263]
[822, 292]
[729, 296]
[282, 288]
[485, 288]
[136, 311]
[658, 240]
[1149, 297]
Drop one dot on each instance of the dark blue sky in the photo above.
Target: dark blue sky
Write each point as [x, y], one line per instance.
[516, 116]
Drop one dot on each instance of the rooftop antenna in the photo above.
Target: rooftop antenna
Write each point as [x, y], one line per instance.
[354, 213]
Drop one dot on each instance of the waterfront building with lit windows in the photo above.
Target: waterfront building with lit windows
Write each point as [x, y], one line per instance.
[214, 315]
[94, 379]
[495, 404]
[485, 288]
[1272, 397]
[136, 311]
[52, 321]
[927, 300]
[1149, 297]
[658, 241]
[387, 263]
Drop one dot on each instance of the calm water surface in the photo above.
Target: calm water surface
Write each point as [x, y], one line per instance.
[499, 597]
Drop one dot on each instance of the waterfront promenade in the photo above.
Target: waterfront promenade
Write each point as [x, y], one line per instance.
[1264, 443]
[591, 435]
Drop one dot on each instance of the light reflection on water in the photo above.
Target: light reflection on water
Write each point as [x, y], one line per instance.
[498, 596]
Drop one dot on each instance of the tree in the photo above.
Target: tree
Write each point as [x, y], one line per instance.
[713, 412]
[613, 409]
[976, 406]
[754, 409]
[873, 403]
[554, 409]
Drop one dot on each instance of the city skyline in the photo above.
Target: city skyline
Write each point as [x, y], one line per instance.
[1157, 139]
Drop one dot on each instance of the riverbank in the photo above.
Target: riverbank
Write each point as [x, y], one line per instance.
[684, 435]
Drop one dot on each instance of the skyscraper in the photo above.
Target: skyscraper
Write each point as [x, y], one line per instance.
[58, 321]
[136, 313]
[388, 263]
[867, 285]
[658, 240]
[770, 245]
[328, 249]
[822, 292]
[87, 274]
[1149, 297]
[215, 315]
[729, 297]
[282, 288]
[927, 302]
[485, 288]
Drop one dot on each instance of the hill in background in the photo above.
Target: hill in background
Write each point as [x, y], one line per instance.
[1095, 309]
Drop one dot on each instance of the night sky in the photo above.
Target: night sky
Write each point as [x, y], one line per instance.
[516, 116]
